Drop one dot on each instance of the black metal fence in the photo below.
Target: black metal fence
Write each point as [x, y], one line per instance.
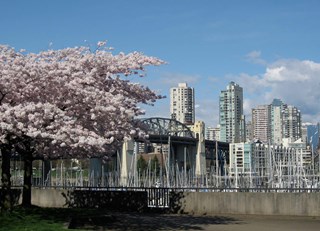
[156, 197]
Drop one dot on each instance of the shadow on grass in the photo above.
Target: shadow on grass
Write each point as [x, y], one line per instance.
[103, 219]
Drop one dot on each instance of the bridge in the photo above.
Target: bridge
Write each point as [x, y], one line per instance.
[186, 148]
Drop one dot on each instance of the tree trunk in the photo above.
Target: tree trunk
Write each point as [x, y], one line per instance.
[6, 198]
[27, 180]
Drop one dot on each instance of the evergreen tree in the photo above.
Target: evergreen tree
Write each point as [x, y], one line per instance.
[141, 165]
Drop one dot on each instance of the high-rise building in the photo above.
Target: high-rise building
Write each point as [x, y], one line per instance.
[231, 118]
[276, 121]
[182, 103]
[261, 120]
[291, 122]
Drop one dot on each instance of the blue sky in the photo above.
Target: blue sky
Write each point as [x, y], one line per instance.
[270, 48]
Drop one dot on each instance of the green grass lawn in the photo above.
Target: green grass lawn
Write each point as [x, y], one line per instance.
[38, 219]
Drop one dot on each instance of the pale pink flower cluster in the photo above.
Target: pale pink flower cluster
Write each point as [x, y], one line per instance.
[77, 99]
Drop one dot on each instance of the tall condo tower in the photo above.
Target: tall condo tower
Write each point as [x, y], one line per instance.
[182, 103]
[231, 118]
[291, 126]
[261, 121]
[276, 121]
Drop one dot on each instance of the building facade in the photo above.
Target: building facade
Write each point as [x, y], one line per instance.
[182, 104]
[276, 121]
[213, 133]
[261, 121]
[249, 131]
[231, 118]
[291, 122]
[312, 135]
[240, 155]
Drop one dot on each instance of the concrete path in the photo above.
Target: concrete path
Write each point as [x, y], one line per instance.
[135, 221]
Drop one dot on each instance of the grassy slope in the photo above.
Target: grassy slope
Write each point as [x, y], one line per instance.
[37, 219]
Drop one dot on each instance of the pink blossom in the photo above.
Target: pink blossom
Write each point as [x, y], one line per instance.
[73, 97]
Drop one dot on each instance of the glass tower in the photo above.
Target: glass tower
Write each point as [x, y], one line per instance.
[231, 118]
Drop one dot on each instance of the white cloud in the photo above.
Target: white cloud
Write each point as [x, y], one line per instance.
[250, 83]
[295, 82]
[275, 74]
[255, 57]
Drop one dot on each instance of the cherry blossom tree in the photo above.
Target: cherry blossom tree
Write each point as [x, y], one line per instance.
[73, 102]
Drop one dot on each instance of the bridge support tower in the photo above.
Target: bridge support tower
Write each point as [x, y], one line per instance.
[128, 162]
[199, 130]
